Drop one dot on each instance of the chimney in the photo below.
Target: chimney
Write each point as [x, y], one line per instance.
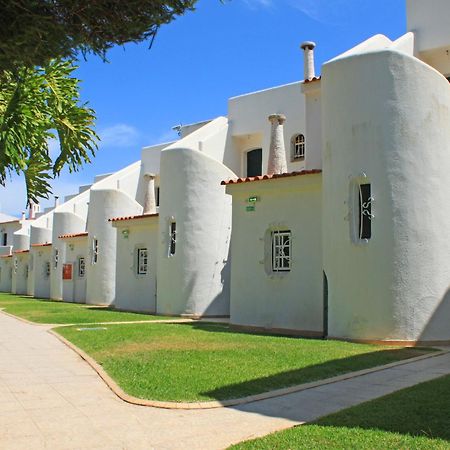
[277, 153]
[308, 49]
[56, 201]
[23, 215]
[149, 200]
[31, 211]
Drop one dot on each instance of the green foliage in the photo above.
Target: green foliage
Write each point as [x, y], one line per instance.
[56, 312]
[34, 31]
[38, 104]
[203, 361]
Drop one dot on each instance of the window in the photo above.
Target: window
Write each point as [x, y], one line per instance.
[298, 147]
[157, 196]
[281, 251]
[81, 267]
[142, 261]
[365, 211]
[26, 271]
[47, 269]
[254, 163]
[94, 251]
[16, 265]
[56, 257]
[4, 239]
[172, 238]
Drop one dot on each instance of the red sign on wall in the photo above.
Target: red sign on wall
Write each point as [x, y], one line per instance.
[67, 271]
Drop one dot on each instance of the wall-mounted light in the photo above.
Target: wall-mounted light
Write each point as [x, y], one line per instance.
[125, 233]
[71, 246]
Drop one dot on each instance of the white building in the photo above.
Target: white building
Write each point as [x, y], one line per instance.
[315, 208]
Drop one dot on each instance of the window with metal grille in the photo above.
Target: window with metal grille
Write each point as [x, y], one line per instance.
[142, 261]
[5, 239]
[298, 147]
[281, 251]
[47, 269]
[94, 251]
[56, 257]
[81, 267]
[172, 238]
[365, 211]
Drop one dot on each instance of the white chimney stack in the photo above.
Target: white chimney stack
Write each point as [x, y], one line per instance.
[149, 200]
[277, 153]
[56, 201]
[23, 215]
[308, 49]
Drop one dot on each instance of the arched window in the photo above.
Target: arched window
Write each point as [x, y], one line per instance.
[298, 147]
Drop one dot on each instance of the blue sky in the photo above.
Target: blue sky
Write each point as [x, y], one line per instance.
[197, 62]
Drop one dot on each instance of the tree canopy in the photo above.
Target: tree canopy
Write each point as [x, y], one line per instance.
[37, 105]
[34, 31]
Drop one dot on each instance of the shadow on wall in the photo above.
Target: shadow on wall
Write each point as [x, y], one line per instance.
[437, 327]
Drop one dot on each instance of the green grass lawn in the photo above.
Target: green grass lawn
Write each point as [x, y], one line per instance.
[209, 362]
[47, 311]
[414, 418]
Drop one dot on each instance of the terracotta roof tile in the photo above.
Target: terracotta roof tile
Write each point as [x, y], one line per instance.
[74, 235]
[47, 244]
[312, 80]
[6, 256]
[270, 177]
[21, 251]
[142, 216]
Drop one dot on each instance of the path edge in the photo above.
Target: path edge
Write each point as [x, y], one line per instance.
[118, 391]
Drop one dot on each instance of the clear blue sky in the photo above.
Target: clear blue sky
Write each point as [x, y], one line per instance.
[197, 62]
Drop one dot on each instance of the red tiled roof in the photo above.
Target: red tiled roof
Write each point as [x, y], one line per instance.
[270, 177]
[21, 251]
[47, 244]
[142, 216]
[75, 235]
[312, 80]
[6, 256]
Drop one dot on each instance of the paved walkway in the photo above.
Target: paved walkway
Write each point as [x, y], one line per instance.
[50, 398]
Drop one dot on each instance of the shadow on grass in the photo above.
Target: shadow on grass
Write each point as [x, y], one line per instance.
[421, 410]
[315, 372]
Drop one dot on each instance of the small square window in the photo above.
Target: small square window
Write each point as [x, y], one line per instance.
[142, 261]
[281, 251]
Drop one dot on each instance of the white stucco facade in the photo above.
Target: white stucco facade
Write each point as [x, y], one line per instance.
[137, 250]
[355, 204]
[286, 301]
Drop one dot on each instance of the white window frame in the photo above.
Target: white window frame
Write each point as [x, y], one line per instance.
[298, 147]
[281, 240]
[81, 267]
[142, 261]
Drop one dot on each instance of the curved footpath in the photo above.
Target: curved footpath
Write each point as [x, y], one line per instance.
[51, 398]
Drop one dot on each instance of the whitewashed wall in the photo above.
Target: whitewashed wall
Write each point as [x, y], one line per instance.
[136, 292]
[195, 281]
[387, 115]
[250, 127]
[74, 290]
[259, 297]
[41, 255]
[6, 274]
